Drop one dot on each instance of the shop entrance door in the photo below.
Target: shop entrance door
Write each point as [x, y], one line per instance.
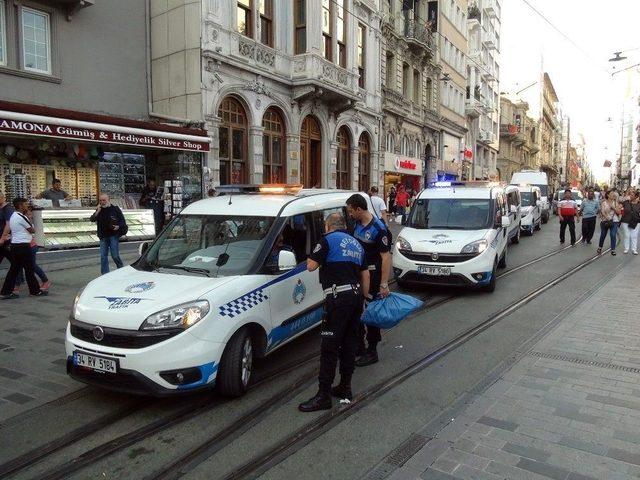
[310, 153]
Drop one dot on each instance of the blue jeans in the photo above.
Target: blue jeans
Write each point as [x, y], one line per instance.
[109, 244]
[613, 230]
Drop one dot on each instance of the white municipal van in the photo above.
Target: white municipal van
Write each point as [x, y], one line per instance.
[226, 282]
[531, 213]
[539, 179]
[512, 195]
[456, 234]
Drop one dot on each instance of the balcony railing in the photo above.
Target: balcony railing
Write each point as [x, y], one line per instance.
[492, 8]
[473, 107]
[310, 68]
[417, 34]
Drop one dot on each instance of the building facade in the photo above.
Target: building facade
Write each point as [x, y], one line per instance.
[453, 50]
[482, 103]
[410, 105]
[289, 91]
[518, 139]
[550, 132]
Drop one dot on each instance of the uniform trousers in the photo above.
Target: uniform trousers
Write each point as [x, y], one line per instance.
[339, 334]
[372, 334]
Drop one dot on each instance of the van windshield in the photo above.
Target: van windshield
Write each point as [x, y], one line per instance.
[451, 214]
[527, 199]
[211, 245]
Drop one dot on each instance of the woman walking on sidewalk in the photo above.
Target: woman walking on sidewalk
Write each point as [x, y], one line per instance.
[609, 213]
[630, 221]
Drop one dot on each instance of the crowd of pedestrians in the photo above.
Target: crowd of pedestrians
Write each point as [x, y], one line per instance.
[617, 212]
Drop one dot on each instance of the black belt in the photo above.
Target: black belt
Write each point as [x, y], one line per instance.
[336, 289]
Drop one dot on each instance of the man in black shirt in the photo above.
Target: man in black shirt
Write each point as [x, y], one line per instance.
[149, 199]
[345, 279]
[111, 226]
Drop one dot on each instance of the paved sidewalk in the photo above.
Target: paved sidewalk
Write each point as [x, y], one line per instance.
[568, 410]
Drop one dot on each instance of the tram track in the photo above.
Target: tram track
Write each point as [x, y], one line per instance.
[292, 443]
[194, 409]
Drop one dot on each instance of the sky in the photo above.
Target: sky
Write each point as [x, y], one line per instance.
[588, 93]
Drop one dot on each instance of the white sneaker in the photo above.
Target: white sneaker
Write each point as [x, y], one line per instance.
[635, 253]
[625, 251]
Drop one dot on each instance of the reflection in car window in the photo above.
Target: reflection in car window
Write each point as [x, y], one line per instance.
[454, 214]
[221, 245]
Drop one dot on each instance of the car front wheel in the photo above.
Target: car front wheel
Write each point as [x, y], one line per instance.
[236, 365]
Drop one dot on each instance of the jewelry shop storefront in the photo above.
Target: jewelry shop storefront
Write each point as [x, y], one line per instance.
[94, 154]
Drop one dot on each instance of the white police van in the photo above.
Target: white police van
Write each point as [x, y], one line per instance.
[456, 234]
[531, 211]
[224, 283]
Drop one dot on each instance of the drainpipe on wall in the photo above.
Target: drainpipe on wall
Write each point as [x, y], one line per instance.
[147, 10]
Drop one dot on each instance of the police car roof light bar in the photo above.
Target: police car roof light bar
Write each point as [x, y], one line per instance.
[273, 189]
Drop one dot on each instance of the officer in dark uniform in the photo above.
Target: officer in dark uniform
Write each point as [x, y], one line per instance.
[375, 238]
[345, 280]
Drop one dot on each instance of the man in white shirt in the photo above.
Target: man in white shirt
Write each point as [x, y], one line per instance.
[21, 234]
[379, 207]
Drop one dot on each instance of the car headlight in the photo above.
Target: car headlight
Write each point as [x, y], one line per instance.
[74, 309]
[402, 244]
[478, 246]
[180, 316]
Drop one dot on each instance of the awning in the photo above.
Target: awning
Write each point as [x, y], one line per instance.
[121, 131]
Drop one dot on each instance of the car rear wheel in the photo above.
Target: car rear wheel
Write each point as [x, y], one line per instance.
[236, 365]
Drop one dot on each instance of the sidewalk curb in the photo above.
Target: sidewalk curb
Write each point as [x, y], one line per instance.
[427, 436]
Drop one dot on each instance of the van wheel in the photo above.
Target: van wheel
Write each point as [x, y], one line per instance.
[516, 239]
[503, 261]
[236, 364]
[491, 286]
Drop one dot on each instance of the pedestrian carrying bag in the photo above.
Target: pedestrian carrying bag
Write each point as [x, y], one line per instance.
[389, 311]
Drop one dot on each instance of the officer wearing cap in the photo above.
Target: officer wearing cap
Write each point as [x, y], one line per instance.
[375, 238]
[345, 280]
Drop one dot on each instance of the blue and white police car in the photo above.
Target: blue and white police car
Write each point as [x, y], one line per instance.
[224, 283]
[531, 210]
[456, 234]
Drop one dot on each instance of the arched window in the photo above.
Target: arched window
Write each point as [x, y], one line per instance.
[405, 146]
[343, 167]
[233, 142]
[418, 149]
[390, 143]
[364, 162]
[273, 147]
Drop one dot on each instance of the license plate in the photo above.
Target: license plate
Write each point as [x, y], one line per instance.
[100, 364]
[428, 270]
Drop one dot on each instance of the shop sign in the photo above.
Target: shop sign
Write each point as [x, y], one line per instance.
[100, 136]
[406, 165]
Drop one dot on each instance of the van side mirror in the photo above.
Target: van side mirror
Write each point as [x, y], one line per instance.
[142, 248]
[505, 221]
[286, 261]
[514, 209]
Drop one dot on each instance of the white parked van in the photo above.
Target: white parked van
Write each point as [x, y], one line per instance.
[539, 179]
[531, 216]
[225, 282]
[512, 194]
[456, 234]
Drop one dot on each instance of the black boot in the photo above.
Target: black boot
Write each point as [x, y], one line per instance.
[342, 390]
[368, 358]
[321, 401]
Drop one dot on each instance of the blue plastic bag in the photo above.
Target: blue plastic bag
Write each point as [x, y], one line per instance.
[388, 312]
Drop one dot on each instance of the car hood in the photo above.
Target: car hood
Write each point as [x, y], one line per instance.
[126, 297]
[443, 241]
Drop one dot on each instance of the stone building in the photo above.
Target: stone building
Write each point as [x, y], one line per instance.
[483, 89]
[410, 94]
[289, 90]
[518, 139]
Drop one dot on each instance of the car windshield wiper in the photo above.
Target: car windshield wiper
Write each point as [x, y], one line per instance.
[203, 271]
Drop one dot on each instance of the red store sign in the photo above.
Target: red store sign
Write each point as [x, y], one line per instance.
[145, 138]
[406, 164]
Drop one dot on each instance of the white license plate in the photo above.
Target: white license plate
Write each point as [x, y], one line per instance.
[428, 270]
[95, 363]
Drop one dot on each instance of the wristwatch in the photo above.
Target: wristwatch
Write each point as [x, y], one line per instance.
[384, 285]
